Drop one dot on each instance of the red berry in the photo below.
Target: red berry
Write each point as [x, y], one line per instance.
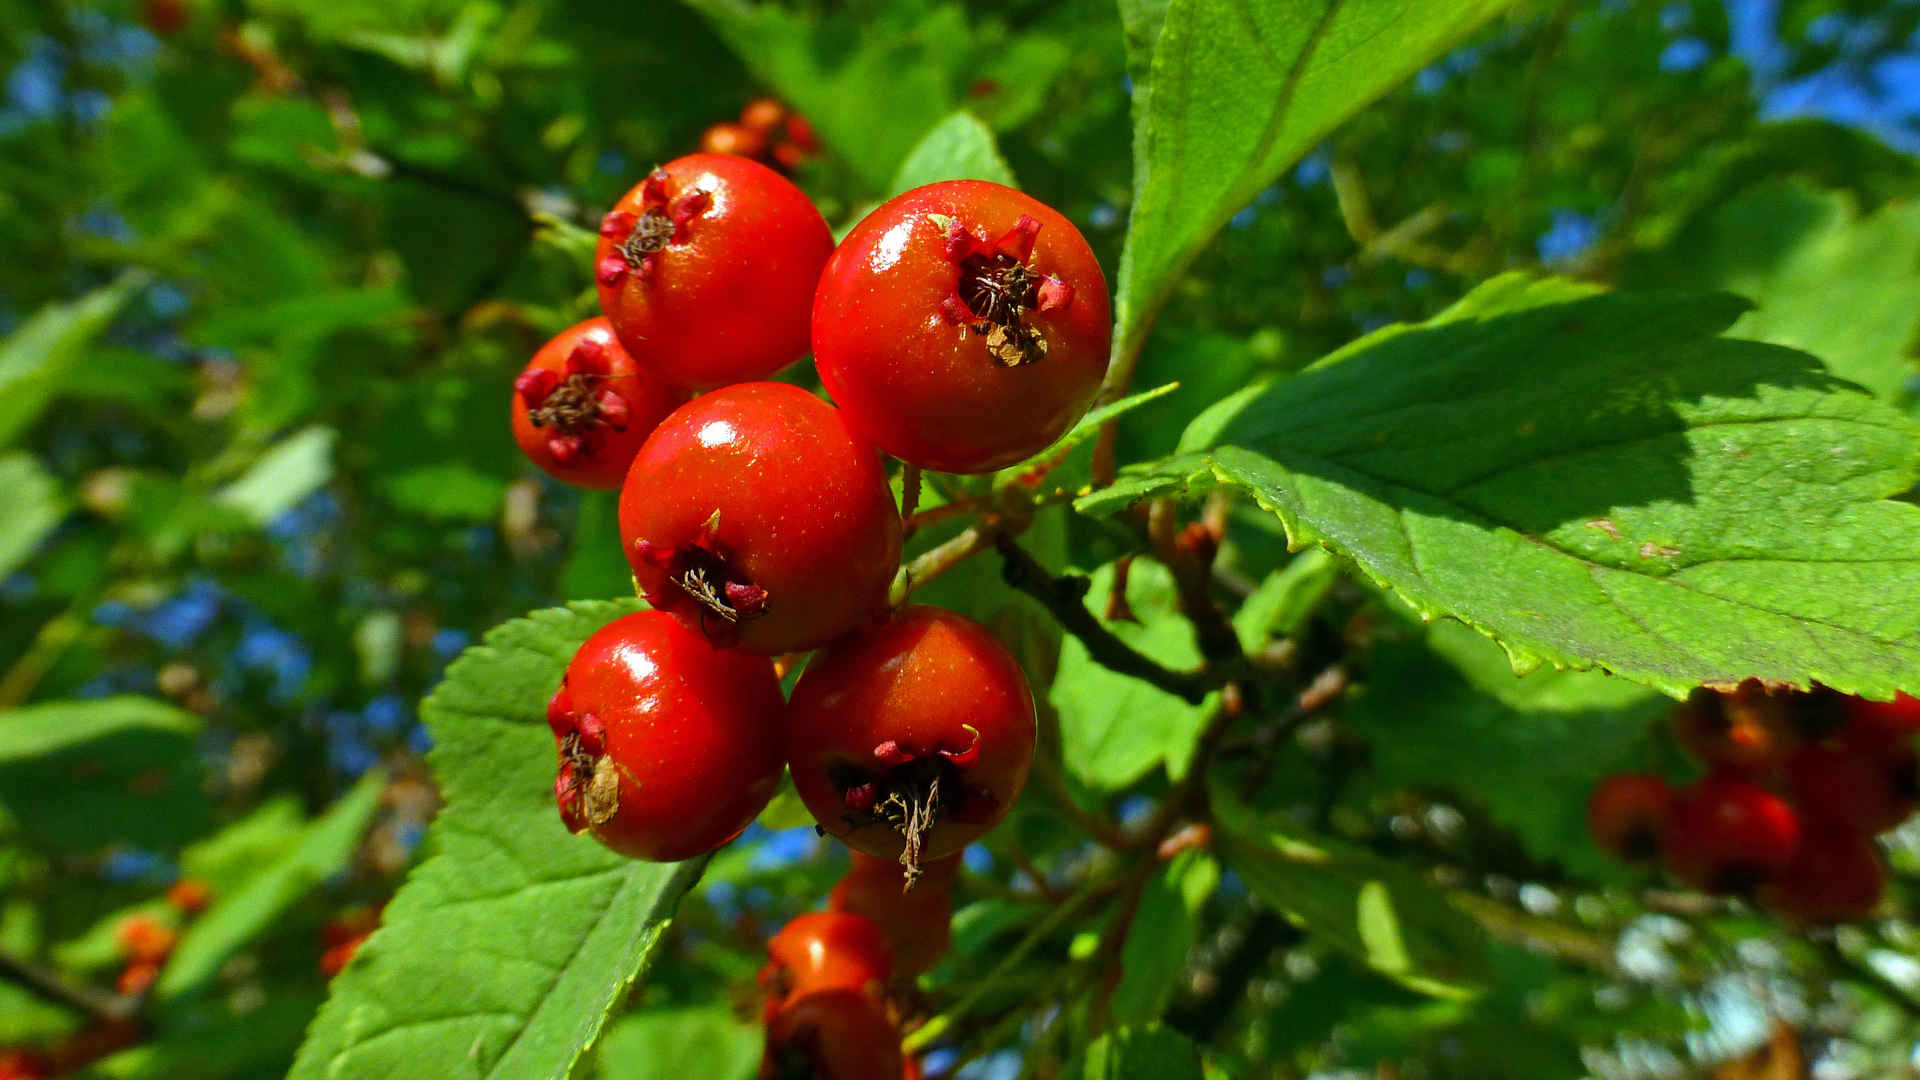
[1626, 815]
[1727, 835]
[725, 138]
[707, 269]
[337, 957]
[800, 134]
[762, 116]
[143, 938]
[826, 950]
[912, 738]
[755, 516]
[189, 896]
[1867, 789]
[832, 1035]
[582, 408]
[352, 925]
[136, 977]
[962, 326]
[1748, 729]
[1897, 718]
[24, 1065]
[668, 746]
[164, 17]
[1836, 876]
[918, 922]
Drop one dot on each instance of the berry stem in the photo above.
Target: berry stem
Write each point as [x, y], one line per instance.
[909, 495]
[95, 1004]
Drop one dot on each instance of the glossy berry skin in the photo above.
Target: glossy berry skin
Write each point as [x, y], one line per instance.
[1836, 876]
[962, 326]
[832, 1035]
[1863, 789]
[582, 408]
[757, 518]
[917, 922]
[668, 746]
[1727, 835]
[1897, 718]
[912, 738]
[737, 139]
[826, 950]
[1627, 814]
[707, 269]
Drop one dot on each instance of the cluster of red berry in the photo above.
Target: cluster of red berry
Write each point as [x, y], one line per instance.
[145, 940]
[768, 133]
[963, 327]
[832, 977]
[1797, 787]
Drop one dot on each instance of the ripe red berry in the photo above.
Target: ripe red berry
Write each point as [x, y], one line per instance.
[582, 408]
[1748, 729]
[832, 1035]
[763, 116]
[918, 922]
[826, 950]
[707, 269]
[755, 516]
[145, 939]
[1626, 815]
[164, 17]
[910, 739]
[668, 746]
[24, 1065]
[1727, 835]
[726, 138]
[189, 896]
[1836, 876]
[1867, 789]
[1899, 718]
[962, 326]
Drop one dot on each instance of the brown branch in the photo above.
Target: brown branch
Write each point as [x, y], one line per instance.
[97, 1005]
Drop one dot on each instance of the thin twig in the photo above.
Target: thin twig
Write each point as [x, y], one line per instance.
[96, 1004]
[1065, 598]
[909, 495]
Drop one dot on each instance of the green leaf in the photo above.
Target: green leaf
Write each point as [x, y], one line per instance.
[1114, 727]
[595, 568]
[446, 491]
[1660, 502]
[1823, 278]
[1165, 929]
[705, 1041]
[1379, 912]
[958, 148]
[37, 359]
[83, 774]
[221, 1041]
[34, 506]
[1280, 604]
[1240, 90]
[504, 952]
[237, 918]
[293, 469]
[1444, 710]
[1145, 1053]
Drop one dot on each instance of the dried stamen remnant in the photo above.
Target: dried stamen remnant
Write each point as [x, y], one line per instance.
[575, 405]
[700, 573]
[639, 239]
[914, 791]
[997, 290]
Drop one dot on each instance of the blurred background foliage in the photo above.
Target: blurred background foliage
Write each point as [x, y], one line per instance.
[272, 264]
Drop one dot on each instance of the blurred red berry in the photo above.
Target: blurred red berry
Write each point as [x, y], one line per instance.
[1627, 814]
[1728, 835]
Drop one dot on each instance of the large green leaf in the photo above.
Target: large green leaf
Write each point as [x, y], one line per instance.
[1528, 749]
[504, 952]
[39, 357]
[1142, 1053]
[1595, 481]
[34, 506]
[958, 148]
[1114, 727]
[707, 1040]
[292, 469]
[1239, 91]
[1379, 912]
[237, 918]
[78, 775]
[1165, 929]
[1841, 286]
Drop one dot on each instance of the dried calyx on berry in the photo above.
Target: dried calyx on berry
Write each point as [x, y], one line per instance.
[997, 288]
[640, 238]
[911, 790]
[698, 571]
[588, 784]
[578, 405]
